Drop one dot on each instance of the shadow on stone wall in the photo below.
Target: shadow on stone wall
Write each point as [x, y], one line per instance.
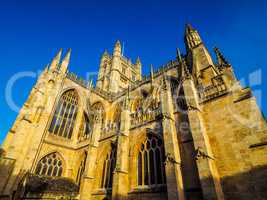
[250, 185]
[6, 168]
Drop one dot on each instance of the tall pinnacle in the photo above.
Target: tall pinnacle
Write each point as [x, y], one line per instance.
[65, 62]
[179, 57]
[117, 49]
[192, 38]
[220, 57]
[138, 61]
[56, 60]
[151, 72]
[188, 28]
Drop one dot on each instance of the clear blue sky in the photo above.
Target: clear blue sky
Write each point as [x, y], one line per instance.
[33, 31]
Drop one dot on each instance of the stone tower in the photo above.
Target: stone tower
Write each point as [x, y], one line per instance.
[116, 72]
[188, 131]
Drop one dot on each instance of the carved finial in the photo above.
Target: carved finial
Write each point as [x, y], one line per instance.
[220, 58]
[117, 49]
[138, 61]
[105, 52]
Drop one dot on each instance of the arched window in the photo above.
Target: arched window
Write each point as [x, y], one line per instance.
[50, 165]
[108, 168]
[150, 162]
[97, 109]
[65, 115]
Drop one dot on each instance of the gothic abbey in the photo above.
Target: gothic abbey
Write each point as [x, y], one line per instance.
[188, 131]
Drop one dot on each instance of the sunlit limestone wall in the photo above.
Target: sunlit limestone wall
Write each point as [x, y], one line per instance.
[237, 132]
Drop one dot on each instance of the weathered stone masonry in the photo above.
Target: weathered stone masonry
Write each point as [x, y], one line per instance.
[186, 131]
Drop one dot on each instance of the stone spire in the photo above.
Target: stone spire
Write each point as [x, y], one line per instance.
[220, 58]
[56, 60]
[178, 55]
[138, 62]
[138, 65]
[65, 62]
[105, 52]
[151, 72]
[117, 49]
[185, 71]
[192, 38]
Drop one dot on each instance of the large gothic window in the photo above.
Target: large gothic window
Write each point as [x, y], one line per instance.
[150, 162]
[108, 168]
[50, 165]
[66, 111]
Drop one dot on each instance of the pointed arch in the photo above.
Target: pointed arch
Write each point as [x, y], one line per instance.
[97, 109]
[150, 161]
[65, 114]
[51, 164]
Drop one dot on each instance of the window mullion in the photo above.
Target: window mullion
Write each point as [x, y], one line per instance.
[71, 122]
[60, 133]
[66, 119]
[58, 116]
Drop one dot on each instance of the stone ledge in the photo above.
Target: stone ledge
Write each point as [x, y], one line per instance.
[102, 191]
[149, 189]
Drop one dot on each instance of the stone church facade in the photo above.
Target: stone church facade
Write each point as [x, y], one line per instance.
[187, 131]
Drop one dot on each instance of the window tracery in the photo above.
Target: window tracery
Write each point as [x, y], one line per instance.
[65, 115]
[50, 165]
[150, 162]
